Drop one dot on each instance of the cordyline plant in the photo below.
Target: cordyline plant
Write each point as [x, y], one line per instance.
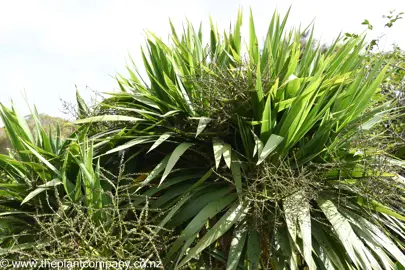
[40, 219]
[30, 165]
[252, 154]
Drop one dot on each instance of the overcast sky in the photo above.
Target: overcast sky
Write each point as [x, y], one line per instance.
[48, 47]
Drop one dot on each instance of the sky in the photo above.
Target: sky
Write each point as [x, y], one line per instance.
[47, 48]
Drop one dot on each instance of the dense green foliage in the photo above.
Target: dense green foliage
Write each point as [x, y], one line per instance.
[223, 157]
[49, 123]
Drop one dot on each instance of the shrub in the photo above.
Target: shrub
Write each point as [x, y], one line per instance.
[259, 159]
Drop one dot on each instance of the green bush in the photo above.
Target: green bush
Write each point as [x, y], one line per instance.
[222, 158]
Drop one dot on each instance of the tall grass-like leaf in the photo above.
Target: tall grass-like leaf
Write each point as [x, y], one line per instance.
[298, 218]
[253, 250]
[222, 226]
[218, 148]
[202, 123]
[352, 243]
[269, 147]
[172, 212]
[236, 248]
[379, 208]
[329, 250]
[174, 157]
[191, 209]
[159, 141]
[253, 43]
[304, 220]
[200, 219]
[227, 154]
[128, 145]
[42, 159]
[107, 118]
[41, 188]
[155, 172]
[377, 235]
[237, 174]
[267, 118]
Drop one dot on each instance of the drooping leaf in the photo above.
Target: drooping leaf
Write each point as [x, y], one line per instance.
[237, 174]
[227, 154]
[155, 172]
[159, 141]
[269, 147]
[236, 248]
[174, 157]
[222, 226]
[41, 188]
[202, 124]
[218, 148]
[253, 250]
[353, 245]
[107, 118]
[42, 159]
